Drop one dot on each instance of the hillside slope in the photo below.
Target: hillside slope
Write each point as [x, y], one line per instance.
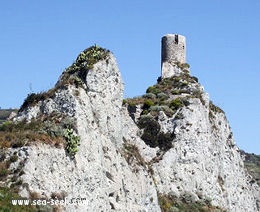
[171, 149]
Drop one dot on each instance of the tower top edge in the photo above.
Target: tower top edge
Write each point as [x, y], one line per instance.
[173, 35]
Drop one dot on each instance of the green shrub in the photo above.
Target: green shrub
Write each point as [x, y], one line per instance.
[165, 140]
[183, 65]
[179, 102]
[179, 83]
[175, 92]
[176, 104]
[166, 81]
[147, 104]
[168, 111]
[72, 142]
[13, 158]
[196, 93]
[162, 96]
[215, 108]
[152, 135]
[185, 202]
[149, 96]
[153, 89]
[90, 56]
[156, 108]
[151, 129]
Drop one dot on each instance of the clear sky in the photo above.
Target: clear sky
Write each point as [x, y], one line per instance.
[39, 39]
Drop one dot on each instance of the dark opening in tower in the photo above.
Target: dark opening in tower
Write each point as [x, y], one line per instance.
[176, 39]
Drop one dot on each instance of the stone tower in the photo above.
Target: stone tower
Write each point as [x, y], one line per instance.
[173, 52]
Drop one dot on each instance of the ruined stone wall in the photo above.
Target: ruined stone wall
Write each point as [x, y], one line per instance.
[173, 48]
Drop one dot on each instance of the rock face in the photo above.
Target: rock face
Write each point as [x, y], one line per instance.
[202, 158]
[99, 172]
[117, 167]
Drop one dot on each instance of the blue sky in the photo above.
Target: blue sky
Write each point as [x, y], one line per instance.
[39, 39]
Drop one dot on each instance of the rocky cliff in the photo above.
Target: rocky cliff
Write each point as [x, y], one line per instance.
[168, 150]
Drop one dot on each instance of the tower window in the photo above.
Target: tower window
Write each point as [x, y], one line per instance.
[176, 39]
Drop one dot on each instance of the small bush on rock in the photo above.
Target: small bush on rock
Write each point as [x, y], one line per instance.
[168, 111]
[162, 96]
[153, 89]
[13, 158]
[169, 203]
[149, 96]
[176, 104]
[215, 108]
[151, 129]
[183, 66]
[90, 56]
[72, 142]
[147, 104]
[152, 135]
[165, 140]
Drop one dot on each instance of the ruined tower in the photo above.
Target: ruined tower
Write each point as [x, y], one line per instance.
[173, 52]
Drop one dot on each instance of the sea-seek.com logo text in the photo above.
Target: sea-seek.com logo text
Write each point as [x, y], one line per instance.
[65, 201]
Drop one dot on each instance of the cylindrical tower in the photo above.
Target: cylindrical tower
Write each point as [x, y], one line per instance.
[173, 48]
[173, 52]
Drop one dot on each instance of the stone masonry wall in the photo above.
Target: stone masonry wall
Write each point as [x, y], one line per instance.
[173, 51]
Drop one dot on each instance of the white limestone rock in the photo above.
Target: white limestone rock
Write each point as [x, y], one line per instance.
[99, 172]
[169, 70]
[203, 163]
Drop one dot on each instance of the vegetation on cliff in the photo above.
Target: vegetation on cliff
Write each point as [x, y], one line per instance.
[170, 203]
[169, 95]
[73, 75]
[252, 163]
[165, 104]
[5, 113]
